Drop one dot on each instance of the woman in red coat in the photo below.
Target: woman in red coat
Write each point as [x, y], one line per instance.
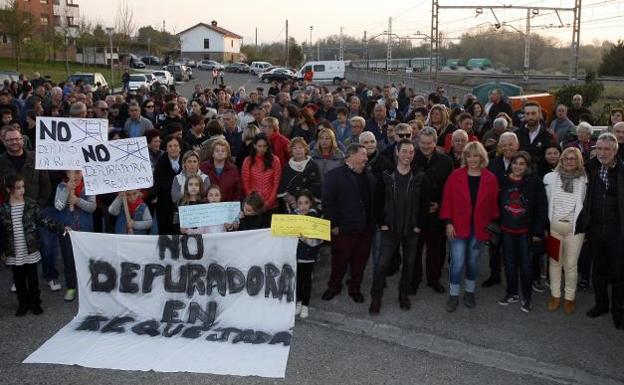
[469, 204]
[222, 172]
[261, 172]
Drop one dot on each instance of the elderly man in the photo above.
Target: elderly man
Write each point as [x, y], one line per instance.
[437, 167]
[618, 131]
[378, 124]
[508, 145]
[491, 137]
[578, 113]
[78, 110]
[232, 133]
[100, 109]
[405, 205]
[327, 110]
[603, 217]
[355, 108]
[349, 203]
[498, 105]
[357, 127]
[136, 125]
[279, 143]
[561, 126]
[459, 139]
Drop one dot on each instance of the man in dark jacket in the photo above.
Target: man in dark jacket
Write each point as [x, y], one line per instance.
[437, 168]
[404, 214]
[532, 136]
[498, 105]
[603, 217]
[348, 201]
[18, 161]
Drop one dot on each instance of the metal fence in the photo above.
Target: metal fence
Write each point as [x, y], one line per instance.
[419, 85]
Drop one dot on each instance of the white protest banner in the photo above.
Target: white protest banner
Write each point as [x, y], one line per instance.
[59, 141]
[218, 303]
[118, 165]
[208, 214]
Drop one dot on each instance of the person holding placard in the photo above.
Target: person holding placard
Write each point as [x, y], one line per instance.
[76, 211]
[136, 217]
[300, 173]
[307, 254]
[169, 165]
[222, 172]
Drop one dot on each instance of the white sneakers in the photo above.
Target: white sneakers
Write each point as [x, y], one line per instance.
[302, 311]
[54, 285]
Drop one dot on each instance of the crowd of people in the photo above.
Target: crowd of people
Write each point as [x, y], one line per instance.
[402, 177]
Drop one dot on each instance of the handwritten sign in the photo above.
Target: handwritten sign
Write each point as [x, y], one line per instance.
[60, 141]
[118, 165]
[209, 214]
[296, 225]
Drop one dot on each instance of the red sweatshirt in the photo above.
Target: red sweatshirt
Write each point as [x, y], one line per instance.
[263, 181]
[279, 147]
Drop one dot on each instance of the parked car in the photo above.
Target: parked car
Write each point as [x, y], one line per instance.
[151, 79]
[277, 74]
[150, 60]
[324, 71]
[209, 65]
[189, 62]
[139, 80]
[237, 67]
[11, 76]
[164, 77]
[257, 67]
[132, 60]
[92, 78]
[177, 71]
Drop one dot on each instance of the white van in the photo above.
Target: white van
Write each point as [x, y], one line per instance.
[258, 67]
[324, 71]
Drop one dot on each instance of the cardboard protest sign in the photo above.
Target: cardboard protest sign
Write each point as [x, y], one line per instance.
[118, 165]
[208, 214]
[60, 140]
[295, 225]
[218, 303]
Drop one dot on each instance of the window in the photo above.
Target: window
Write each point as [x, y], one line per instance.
[44, 1]
[206, 43]
[319, 68]
[70, 21]
[232, 41]
[44, 20]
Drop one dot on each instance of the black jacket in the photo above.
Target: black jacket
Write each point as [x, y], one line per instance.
[163, 179]
[417, 202]
[497, 166]
[537, 147]
[343, 203]
[294, 181]
[437, 170]
[593, 169]
[37, 182]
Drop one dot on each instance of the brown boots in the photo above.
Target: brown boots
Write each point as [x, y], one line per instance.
[568, 306]
[553, 303]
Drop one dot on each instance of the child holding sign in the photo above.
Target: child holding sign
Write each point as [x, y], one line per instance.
[75, 211]
[136, 218]
[20, 218]
[307, 253]
[192, 195]
[251, 217]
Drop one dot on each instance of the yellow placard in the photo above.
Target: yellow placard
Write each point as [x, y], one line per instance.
[297, 225]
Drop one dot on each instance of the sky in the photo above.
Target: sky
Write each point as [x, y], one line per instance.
[602, 19]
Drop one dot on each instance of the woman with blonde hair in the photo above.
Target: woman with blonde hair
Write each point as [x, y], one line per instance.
[438, 118]
[326, 153]
[469, 204]
[565, 190]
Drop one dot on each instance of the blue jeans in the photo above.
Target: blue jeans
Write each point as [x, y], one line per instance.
[464, 251]
[516, 248]
[49, 248]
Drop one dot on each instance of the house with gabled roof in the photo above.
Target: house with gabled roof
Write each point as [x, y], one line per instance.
[210, 41]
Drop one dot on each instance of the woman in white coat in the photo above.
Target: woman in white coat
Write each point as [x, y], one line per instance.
[565, 190]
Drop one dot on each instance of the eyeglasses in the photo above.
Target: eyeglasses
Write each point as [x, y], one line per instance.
[149, 106]
[13, 140]
[404, 136]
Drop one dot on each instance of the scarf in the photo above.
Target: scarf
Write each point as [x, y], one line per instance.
[78, 189]
[567, 179]
[299, 166]
[133, 206]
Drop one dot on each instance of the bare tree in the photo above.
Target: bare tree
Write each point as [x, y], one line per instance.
[124, 23]
[18, 26]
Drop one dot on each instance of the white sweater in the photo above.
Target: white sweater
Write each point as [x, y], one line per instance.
[580, 189]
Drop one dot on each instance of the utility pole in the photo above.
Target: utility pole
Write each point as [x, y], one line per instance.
[110, 32]
[310, 47]
[163, 28]
[389, 45]
[318, 51]
[527, 47]
[341, 51]
[576, 41]
[286, 45]
[364, 46]
[433, 54]
[149, 50]
[256, 38]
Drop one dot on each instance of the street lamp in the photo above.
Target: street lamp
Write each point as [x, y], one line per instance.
[110, 32]
[310, 50]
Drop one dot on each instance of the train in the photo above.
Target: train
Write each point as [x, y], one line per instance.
[421, 64]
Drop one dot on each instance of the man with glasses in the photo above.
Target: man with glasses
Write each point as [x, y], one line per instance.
[401, 131]
[232, 133]
[443, 99]
[279, 143]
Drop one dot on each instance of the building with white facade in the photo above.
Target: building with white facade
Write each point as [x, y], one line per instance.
[209, 41]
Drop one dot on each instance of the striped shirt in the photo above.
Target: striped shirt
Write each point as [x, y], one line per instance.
[564, 203]
[21, 256]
